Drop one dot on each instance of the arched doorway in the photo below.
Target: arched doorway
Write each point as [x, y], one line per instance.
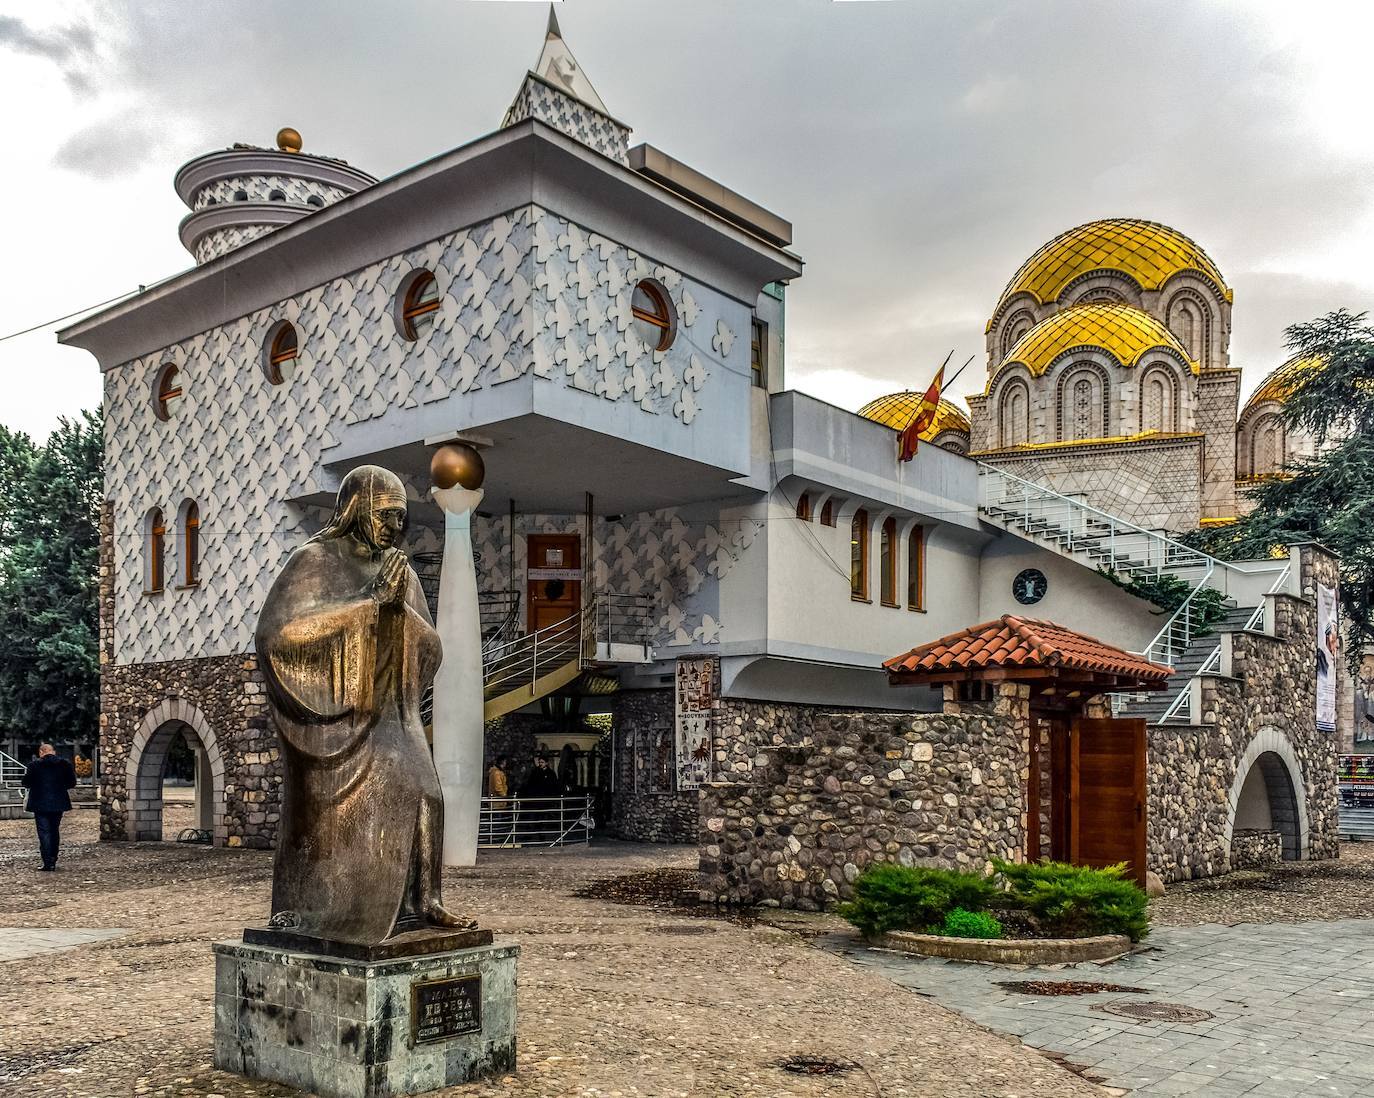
[174, 728]
[1268, 794]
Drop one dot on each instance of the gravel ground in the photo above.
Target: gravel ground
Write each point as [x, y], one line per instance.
[616, 1000]
[1294, 892]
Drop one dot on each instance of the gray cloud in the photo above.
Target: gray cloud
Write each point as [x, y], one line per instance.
[113, 147]
[71, 48]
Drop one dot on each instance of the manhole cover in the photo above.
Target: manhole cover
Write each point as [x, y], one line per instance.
[1155, 1012]
[815, 1065]
[684, 930]
[1065, 987]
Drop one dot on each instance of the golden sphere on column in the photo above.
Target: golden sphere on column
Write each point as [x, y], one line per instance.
[457, 463]
[289, 140]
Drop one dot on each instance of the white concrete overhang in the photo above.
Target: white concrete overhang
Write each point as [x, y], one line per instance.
[528, 163]
[547, 466]
[224, 163]
[857, 458]
[198, 224]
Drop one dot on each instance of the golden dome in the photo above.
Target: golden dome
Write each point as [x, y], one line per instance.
[1145, 251]
[1279, 385]
[896, 409]
[1124, 332]
[288, 140]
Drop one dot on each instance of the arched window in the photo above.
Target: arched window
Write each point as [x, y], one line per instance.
[1082, 404]
[1157, 402]
[828, 513]
[316, 201]
[418, 306]
[167, 390]
[916, 569]
[282, 349]
[1017, 325]
[887, 563]
[1083, 408]
[1014, 427]
[1190, 320]
[804, 507]
[275, 195]
[858, 556]
[653, 315]
[154, 554]
[1267, 446]
[190, 544]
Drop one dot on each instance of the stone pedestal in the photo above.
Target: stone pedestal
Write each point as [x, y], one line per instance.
[344, 1028]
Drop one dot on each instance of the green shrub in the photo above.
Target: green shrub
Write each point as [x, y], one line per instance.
[898, 897]
[1074, 901]
[969, 924]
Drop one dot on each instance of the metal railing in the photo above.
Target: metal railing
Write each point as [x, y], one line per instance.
[523, 661]
[11, 769]
[535, 821]
[621, 619]
[499, 613]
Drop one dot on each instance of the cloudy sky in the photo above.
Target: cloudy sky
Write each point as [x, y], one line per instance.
[921, 150]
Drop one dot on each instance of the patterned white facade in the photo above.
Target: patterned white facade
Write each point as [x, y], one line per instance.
[594, 129]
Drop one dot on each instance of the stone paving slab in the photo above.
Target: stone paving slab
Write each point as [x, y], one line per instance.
[1292, 1006]
[19, 943]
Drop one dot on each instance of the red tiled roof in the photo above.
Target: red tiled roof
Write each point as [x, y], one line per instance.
[1011, 642]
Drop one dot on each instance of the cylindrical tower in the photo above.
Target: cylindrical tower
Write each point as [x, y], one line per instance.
[240, 193]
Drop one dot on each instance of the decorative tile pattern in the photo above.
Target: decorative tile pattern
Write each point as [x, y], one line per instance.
[259, 188]
[598, 131]
[215, 244]
[1123, 332]
[529, 292]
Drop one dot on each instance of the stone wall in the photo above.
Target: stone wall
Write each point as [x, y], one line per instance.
[824, 794]
[227, 693]
[1252, 848]
[1261, 703]
[645, 804]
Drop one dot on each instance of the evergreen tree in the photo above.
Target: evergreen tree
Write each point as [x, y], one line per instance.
[1330, 498]
[49, 575]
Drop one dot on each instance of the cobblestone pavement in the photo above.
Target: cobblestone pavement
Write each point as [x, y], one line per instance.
[1290, 1004]
[615, 1001]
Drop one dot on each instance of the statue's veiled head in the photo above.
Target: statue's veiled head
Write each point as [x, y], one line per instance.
[371, 508]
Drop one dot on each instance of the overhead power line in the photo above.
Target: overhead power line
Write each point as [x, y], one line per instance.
[68, 316]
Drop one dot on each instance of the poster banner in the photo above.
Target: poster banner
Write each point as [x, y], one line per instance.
[1328, 658]
[696, 696]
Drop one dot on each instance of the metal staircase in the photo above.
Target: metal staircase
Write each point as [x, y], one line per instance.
[1201, 656]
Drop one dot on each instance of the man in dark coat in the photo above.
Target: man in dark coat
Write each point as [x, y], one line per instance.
[47, 779]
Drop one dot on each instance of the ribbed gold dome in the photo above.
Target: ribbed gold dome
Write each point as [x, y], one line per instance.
[1123, 332]
[1147, 252]
[1280, 384]
[896, 409]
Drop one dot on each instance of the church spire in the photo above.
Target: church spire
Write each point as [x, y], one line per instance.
[559, 67]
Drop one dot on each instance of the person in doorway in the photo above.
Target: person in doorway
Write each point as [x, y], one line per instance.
[498, 789]
[47, 779]
[542, 781]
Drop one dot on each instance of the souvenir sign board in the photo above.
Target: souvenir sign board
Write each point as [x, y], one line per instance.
[1355, 779]
[1328, 656]
[695, 697]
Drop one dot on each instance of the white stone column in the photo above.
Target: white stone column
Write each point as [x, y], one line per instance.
[457, 721]
[205, 789]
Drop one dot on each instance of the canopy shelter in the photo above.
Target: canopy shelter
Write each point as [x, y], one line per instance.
[1086, 777]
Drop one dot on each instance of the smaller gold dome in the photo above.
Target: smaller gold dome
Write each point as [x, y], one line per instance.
[457, 463]
[896, 409]
[1123, 331]
[289, 140]
[1279, 385]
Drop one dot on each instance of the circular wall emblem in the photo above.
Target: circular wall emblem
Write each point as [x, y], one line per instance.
[1029, 586]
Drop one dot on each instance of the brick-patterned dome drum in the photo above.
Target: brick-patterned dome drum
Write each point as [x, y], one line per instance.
[1146, 252]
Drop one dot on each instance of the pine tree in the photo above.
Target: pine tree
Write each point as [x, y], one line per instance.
[1329, 498]
[49, 567]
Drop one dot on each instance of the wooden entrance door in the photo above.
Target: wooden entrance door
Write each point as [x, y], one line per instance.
[554, 591]
[1107, 793]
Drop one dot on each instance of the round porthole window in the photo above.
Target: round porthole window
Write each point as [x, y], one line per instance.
[280, 352]
[166, 391]
[1029, 586]
[418, 303]
[655, 321]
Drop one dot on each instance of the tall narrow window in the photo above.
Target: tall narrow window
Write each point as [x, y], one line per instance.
[420, 304]
[168, 390]
[828, 513]
[804, 507]
[190, 546]
[858, 556]
[652, 315]
[887, 563]
[281, 352]
[758, 352]
[916, 569]
[154, 574]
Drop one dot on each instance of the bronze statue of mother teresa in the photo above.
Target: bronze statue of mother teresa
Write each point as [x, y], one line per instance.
[347, 648]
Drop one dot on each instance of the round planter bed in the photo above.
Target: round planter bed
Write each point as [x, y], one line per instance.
[1009, 951]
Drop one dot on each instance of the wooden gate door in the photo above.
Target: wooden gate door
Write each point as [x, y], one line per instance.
[554, 591]
[1107, 793]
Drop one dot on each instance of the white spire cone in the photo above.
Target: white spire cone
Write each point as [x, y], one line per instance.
[457, 721]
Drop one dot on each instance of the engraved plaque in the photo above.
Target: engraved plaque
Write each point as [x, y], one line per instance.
[440, 1009]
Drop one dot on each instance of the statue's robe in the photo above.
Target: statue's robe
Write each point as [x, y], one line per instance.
[362, 811]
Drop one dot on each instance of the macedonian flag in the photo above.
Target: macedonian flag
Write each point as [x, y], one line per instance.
[922, 418]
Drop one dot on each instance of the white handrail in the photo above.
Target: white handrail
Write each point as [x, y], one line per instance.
[11, 769]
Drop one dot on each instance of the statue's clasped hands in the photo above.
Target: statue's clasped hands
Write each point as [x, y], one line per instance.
[392, 582]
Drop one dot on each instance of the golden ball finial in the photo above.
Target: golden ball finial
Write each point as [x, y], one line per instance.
[289, 140]
[457, 463]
